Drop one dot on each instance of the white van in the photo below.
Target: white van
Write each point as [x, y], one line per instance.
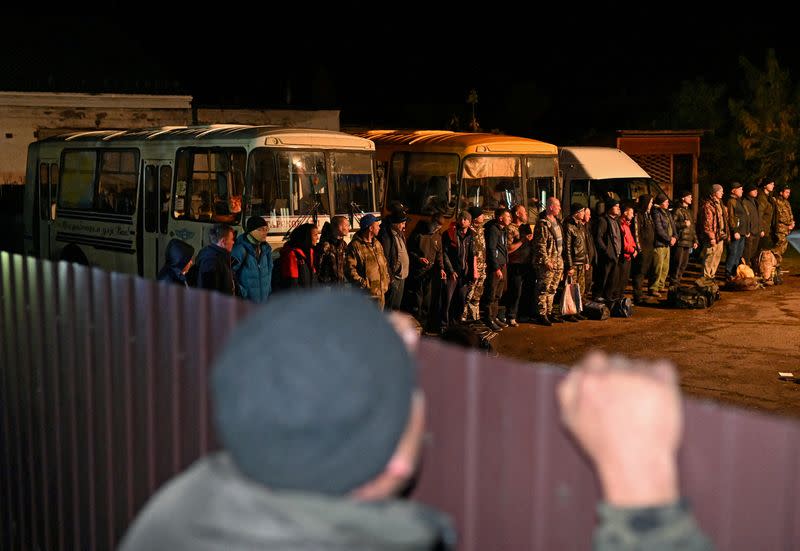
[590, 175]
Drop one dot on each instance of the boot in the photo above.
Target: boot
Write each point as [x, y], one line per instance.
[543, 320]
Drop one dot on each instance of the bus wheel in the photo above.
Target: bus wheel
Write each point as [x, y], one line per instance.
[73, 253]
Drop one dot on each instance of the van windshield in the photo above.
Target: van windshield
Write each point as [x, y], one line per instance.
[594, 193]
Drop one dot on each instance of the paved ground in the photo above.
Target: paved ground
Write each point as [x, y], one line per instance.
[731, 352]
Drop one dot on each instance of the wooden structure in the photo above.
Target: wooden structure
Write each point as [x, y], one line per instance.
[670, 157]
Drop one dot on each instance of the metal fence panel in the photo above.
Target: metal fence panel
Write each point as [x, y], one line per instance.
[104, 396]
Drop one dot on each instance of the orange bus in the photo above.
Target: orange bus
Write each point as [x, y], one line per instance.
[429, 170]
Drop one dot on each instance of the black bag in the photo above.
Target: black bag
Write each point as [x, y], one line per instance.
[622, 308]
[708, 289]
[689, 296]
[595, 310]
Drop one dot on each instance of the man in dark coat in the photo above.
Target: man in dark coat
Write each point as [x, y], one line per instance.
[753, 232]
[214, 270]
[178, 262]
[644, 235]
[496, 262]
[608, 243]
[687, 237]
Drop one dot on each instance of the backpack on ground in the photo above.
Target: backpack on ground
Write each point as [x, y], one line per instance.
[766, 265]
[622, 308]
[708, 288]
[686, 296]
[702, 294]
[595, 310]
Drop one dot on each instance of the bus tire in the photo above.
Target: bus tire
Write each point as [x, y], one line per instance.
[73, 253]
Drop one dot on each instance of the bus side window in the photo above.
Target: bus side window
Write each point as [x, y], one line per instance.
[164, 183]
[44, 191]
[116, 190]
[53, 189]
[151, 202]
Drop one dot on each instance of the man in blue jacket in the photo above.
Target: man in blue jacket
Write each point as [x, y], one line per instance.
[252, 261]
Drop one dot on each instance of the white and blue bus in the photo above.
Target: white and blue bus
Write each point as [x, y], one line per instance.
[114, 199]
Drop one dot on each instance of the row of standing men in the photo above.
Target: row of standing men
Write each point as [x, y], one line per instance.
[467, 271]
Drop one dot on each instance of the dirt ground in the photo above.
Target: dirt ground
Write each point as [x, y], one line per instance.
[731, 352]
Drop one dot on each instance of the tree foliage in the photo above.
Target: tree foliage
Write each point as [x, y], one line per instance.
[768, 120]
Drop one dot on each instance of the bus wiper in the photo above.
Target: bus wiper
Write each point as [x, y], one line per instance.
[312, 212]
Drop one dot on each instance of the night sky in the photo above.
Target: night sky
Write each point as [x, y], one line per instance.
[562, 77]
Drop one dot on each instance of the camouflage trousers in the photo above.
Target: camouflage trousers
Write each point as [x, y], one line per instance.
[473, 309]
[579, 277]
[547, 282]
[780, 246]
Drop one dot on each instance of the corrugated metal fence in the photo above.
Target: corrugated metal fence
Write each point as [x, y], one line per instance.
[103, 397]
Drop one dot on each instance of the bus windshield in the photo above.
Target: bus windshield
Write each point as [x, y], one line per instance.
[352, 182]
[302, 179]
[423, 182]
[491, 182]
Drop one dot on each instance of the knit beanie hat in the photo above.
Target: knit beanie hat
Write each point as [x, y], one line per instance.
[312, 392]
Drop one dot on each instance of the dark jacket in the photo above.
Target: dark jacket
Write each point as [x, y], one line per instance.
[214, 270]
[608, 239]
[588, 240]
[496, 251]
[735, 216]
[644, 233]
[178, 255]
[664, 227]
[459, 254]
[390, 249]
[330, 258]
[687, 236]
[766, 210]
[252, 270]
[750, 205]
[425, 242]
[574, 244]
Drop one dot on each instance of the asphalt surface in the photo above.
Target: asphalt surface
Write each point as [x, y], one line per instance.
[731, 352]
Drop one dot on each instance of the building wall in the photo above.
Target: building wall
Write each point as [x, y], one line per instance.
[26, 117]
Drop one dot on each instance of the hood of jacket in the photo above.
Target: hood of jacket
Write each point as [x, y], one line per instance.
[213, 506]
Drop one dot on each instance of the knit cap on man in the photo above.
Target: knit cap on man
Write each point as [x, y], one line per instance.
[312, 392]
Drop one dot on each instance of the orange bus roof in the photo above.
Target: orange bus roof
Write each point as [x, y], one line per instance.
[462, 143]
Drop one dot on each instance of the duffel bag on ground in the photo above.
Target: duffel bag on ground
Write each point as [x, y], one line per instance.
[622, 308]
[709, 289]
[595, 310]
[687, 296]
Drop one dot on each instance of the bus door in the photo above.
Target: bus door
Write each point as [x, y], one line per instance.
[152, 237]
[47, 194]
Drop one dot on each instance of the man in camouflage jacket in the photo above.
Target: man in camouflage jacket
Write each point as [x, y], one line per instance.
[548, 246]
[366, 265]
[472, 311]
[784, 220]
